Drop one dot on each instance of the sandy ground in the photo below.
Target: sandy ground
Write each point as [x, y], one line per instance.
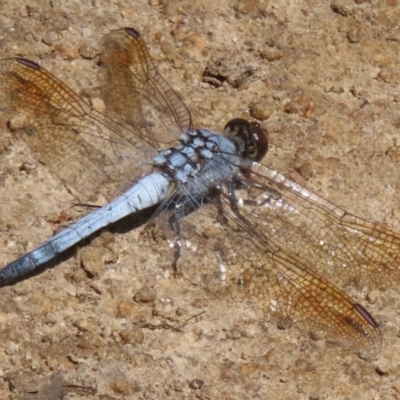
[324, 83]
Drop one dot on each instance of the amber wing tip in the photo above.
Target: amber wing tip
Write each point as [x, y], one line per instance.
[27, 63]
[374, 335]
[366, 315]
[132, 32]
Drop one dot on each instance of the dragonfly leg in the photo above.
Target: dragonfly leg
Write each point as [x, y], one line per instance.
[176, 247]
[223, 220]
[244, 182]
[181, 209]
[246, 224]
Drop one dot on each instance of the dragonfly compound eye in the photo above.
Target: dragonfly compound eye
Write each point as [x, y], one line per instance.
[251, 139]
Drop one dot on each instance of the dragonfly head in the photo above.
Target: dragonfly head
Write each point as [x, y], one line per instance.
[251, 139]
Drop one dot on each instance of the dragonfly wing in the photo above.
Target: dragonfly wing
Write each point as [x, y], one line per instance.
[88, 150]
[302, 252]
[132, 77]
[283, 254]
[346, 249]
[83, 147]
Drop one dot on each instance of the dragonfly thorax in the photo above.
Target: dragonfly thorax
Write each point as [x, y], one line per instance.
[200, 153]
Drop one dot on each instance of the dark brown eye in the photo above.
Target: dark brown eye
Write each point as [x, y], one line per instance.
[250, 138]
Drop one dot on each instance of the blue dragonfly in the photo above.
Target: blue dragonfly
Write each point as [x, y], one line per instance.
[274, 243]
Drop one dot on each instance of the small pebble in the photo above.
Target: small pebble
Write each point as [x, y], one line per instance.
[333, 87]
[67, 52]
[199, 302]
[387, 75]
[234, 334]
[86, 33]
[88, 51]
[285, 323]
[91, 261]
[49, 38]
[196, 384]
[85, 325]
[132, 336]
[341, 9]
[126, 309]
[168, 49]
[120, 384]
[354, 35]
[145, 295]
[246, 6]
[260, 110]
[373, 296]
[271, 53]
[394, 153]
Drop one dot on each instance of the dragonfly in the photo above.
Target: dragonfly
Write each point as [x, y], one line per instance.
[273, 243]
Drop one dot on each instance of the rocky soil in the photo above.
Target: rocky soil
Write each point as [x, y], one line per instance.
[108, 322]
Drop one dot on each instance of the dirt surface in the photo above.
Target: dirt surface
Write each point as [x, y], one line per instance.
[108, 322]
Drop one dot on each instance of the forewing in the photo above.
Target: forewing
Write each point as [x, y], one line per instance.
[83, 147]
[133, 79]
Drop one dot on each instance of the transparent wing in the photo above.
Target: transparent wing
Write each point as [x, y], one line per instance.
[292, 255]
[302, 252]
[132, 78]
[83, 147]
[88, 150]
[347, 249]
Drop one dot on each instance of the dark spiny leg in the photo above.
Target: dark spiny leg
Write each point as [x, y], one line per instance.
[184, 206]
[177, 248]
[221, 217]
